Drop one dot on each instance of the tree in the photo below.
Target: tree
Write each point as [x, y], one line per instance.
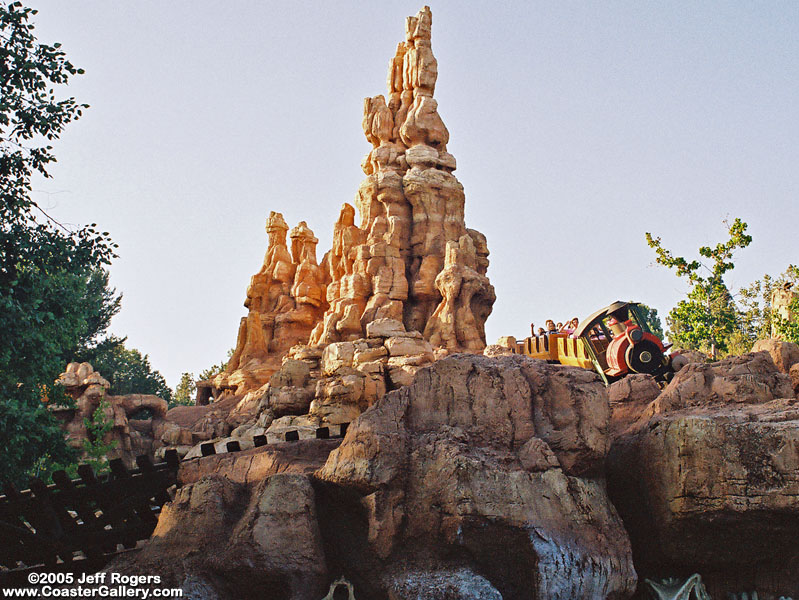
[95, 447]
[652, 319]
[184, 392]
[54, 294]
[215, 370]
[708, 318]
[785, 328]
[127, 370]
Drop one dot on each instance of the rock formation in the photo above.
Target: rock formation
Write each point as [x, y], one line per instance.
[138, 420]
[484, 470]
[411, 259]
[320, 387]
[220, 539]
[470, 477]
[481, 479]
[403, 286]
[707, 477]
[286, 298]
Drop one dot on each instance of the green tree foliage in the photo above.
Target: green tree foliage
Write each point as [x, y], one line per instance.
[127, 370]
[784, 328]
[54, 294]
[184, 392]
[652, 319]
[708, 318]
[95, 447]
[215, 370]
[788, 330]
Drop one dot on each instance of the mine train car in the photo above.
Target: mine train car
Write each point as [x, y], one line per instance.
[615, 341]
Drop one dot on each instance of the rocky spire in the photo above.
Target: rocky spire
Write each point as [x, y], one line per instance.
[285, 298]
[410, 259]
[411, 206]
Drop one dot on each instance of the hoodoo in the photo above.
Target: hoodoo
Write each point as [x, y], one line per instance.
[411, 258]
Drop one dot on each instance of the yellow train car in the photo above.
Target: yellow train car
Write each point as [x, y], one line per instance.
[614, 341]
[556, 347]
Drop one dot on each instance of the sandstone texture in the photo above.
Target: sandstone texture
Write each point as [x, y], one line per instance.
[784, 354]
[407, 258]
[411, 257]
[484, 473]
[286, 299]
[404, 285]
[707, 477]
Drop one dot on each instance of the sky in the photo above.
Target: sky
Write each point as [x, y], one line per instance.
[577, 127]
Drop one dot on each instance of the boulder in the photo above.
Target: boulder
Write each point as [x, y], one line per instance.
[336, 356]
[383, 328]
[231, 540]
[497, 350]
[707, 479]
[496, 461]
[784, 354]
[401, 346]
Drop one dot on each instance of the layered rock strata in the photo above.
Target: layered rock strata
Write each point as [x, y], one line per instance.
[707, 476]
[323, 387]
[286, 298]
[411, 258]
[403, 286]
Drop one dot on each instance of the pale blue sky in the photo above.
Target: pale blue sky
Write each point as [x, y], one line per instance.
[577, 128]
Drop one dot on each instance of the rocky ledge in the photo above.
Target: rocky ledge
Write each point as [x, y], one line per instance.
[483, 478]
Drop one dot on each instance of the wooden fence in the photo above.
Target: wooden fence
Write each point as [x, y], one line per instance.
[86, 520]
[78, 525]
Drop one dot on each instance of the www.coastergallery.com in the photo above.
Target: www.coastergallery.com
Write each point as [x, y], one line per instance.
[97, 585]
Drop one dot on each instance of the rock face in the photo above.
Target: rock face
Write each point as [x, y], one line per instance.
[489, 466]
[138, 419]
[784, 354]
[629, 397]
[216, 531]
[411, 259]
[286, 298]
[482, 479]
[707, 478]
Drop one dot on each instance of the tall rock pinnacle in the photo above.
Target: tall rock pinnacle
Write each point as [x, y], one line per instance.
[411, 209]
[410, 258]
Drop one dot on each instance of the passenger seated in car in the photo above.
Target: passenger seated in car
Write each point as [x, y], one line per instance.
[551, 327]
[571, 326]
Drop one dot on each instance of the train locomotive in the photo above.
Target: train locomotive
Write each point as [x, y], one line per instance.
[614, 341]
